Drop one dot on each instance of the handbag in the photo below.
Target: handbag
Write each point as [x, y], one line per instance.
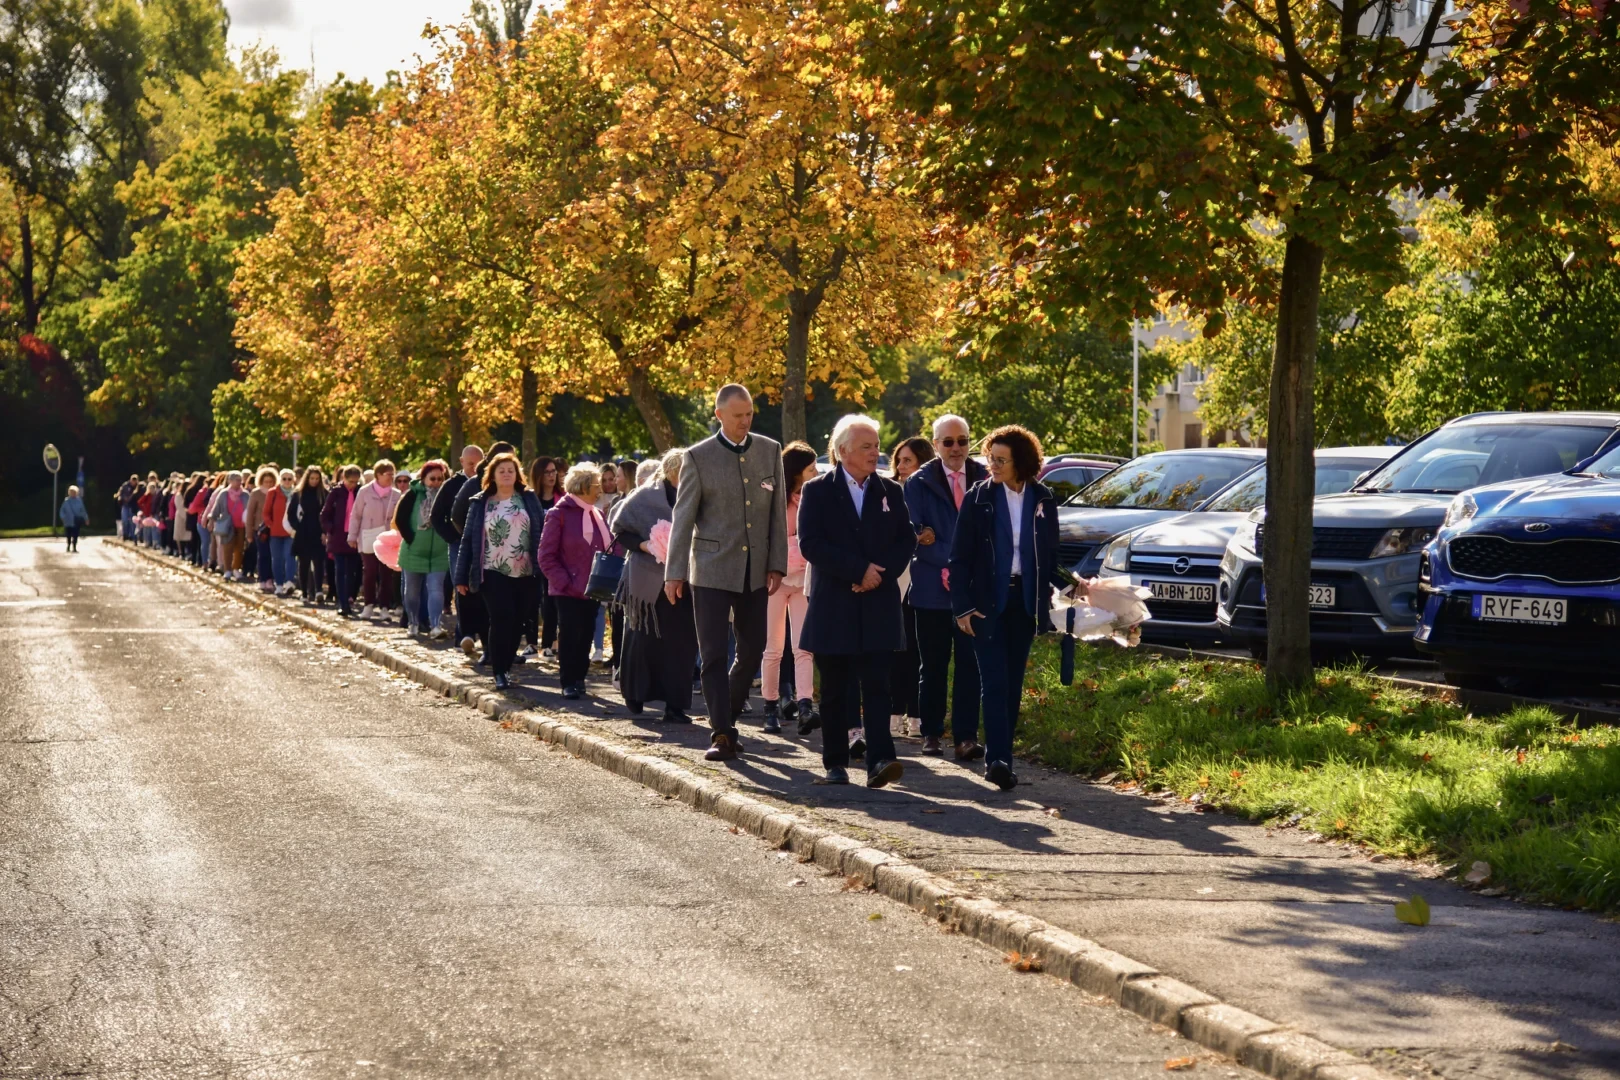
[606, 570]
[368, 539]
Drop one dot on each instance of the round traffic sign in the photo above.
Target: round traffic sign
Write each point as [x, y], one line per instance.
[53, 457]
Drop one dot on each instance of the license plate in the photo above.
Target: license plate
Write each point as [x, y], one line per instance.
[1522, 609]
[1185, 591]
[1321, 595]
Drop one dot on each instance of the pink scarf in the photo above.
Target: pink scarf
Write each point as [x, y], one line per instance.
[591, 525]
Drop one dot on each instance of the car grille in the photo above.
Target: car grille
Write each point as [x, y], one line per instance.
[1334, 543]
[1352, 594]
[1072, 553]
[1164, 569]
[1182, 611]
[1572, 562]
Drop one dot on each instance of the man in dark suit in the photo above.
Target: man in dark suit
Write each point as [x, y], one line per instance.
[1004, 566]
[856, 534]
[934, 495]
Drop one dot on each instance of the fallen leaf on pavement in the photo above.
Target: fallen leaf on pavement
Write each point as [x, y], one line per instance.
[901, 967]
[1177, 1064]
[1479, 873]
[796, 881]
[1023, 961]
[735, 831]
[1052, 811]
[933, 811]
[1414, 912]
[853, 883]
[875, 916]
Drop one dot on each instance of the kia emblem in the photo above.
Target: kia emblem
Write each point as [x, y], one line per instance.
[1537, 527]
[1182, 565]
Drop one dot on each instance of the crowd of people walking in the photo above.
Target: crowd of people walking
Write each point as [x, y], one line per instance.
[731, 563]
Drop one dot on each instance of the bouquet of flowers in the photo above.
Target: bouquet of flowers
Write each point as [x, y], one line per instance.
[1110, 608]
[658, 541]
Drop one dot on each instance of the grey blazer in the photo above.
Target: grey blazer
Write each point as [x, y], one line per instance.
[730, 516]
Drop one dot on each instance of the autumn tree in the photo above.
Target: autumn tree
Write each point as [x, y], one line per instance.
[772, 160]
[1123, 153]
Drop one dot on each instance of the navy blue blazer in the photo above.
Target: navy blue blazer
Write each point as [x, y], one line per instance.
[981, 556]
[928, 495]
[839, 545]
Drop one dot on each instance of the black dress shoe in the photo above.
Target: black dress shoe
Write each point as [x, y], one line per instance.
[969, 751]
[516, 660]
[808, 719]
[773, 718]
[672, 715]
[834, 776]
[571, 693]
[1000, 774]
[884, 774]
[635, 707]
[857, 749]
[502, 682]
[930, 746]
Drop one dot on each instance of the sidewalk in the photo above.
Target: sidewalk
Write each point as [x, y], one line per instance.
[1294, 929]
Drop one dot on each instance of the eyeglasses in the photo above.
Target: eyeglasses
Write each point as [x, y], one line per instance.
[963, 441]
[1003, 462]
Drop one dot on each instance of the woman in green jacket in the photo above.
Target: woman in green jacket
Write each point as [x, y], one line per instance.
[424, 557]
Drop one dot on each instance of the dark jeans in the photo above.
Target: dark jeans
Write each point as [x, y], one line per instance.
[1002, 643]
[72, 537]
[346, 567]
[717, 611]
[310, 572]
[937, 636]
[849, 684]
[505, 599]
[576, 631]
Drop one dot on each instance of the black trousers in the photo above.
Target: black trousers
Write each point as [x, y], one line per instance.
[540, 618]
[616, 627]
[853, 688]
[505, 601]
[903, 668]
[576, 632]
[346, 568]
[718, 611]
[937, 638]
[311, 569]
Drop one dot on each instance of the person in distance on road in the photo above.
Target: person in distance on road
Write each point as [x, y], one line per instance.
[74, 516]
[500, 556]
[856, 534]
[1003, 568]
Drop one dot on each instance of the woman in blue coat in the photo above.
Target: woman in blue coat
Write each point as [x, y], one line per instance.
[74, 516]
[856, 535]
[1004, 566]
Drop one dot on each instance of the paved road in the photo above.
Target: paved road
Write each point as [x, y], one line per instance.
[227, 849]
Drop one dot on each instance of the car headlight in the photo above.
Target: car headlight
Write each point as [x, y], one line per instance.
[1461, 509]
[1401, 542]
[1247, 534]
[1117, 555]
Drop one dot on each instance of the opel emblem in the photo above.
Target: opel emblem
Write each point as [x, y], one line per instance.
[1182, 565]
[1537, 527]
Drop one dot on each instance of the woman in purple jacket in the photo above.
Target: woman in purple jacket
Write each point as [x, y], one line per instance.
[335, 527]
[573, 534]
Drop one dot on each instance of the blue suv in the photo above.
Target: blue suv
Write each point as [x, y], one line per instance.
[1524, 579]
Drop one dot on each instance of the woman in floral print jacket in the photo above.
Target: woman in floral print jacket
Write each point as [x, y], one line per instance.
[501, 564]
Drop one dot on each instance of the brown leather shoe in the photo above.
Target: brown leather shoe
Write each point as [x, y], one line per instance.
[722, 748]
[930, 745]
[969, 751]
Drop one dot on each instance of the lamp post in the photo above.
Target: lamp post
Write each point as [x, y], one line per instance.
[1136, 397]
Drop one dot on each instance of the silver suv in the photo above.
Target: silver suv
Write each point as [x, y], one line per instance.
[1367, 541]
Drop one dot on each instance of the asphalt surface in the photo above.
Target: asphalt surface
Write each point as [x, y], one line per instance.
[229, 849]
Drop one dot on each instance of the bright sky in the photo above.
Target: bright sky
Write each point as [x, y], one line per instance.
[361, 38]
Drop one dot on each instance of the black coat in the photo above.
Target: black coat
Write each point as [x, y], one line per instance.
[839, 546]
[305, 514]
[444, 505]
[976, 583]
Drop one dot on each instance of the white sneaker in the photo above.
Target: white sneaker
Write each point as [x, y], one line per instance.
[596, 656]
[439, 633]
[549, 654]
[369, 612]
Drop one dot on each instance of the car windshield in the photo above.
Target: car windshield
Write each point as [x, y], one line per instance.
[1466, 456]
[1607, 466]
[1169, 481]
[1333, 475]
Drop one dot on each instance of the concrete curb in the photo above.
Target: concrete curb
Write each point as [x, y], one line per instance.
[1253, 1041]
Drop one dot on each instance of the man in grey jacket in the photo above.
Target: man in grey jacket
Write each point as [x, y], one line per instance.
[728, 544]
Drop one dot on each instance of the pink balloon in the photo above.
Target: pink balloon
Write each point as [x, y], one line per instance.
[387, 549]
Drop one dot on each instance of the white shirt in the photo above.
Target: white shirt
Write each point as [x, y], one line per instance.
[1015, 508]
[857, 491]
[728, 442]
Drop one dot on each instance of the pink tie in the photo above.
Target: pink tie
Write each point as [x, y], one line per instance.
[956, 488]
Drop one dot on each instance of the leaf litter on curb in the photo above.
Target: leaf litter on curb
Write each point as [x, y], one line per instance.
[1180, 1063]
[1030, 962]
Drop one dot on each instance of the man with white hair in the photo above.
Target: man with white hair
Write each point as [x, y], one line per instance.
[935, 493]
[856, 534]
[728, 544]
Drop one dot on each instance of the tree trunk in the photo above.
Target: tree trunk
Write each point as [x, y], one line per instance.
[531, 408]
[25, 283]
[457, 435]
[1291, 470]
[796, 363]
[651, 409]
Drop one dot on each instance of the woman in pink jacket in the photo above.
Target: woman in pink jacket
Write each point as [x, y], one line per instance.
[573, 534]
[369, 518]
[789, 602]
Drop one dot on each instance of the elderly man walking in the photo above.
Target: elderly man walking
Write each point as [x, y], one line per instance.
[856, 534]
[934, 494]
[728, 544]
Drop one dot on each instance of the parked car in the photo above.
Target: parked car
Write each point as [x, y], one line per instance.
[1524, 580]
[1366, 543]
[1146, 489]
[1066, 474]
[1179, 558]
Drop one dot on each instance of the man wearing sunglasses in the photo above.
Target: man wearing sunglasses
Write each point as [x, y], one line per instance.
[934, 494]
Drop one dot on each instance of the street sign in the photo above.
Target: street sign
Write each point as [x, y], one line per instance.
[53, 457]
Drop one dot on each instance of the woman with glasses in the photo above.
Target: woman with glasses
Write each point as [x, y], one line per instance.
[1003, 568]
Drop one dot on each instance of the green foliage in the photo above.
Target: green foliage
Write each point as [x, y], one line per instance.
[243, 436]
[1071, 387]
[1355, 758]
